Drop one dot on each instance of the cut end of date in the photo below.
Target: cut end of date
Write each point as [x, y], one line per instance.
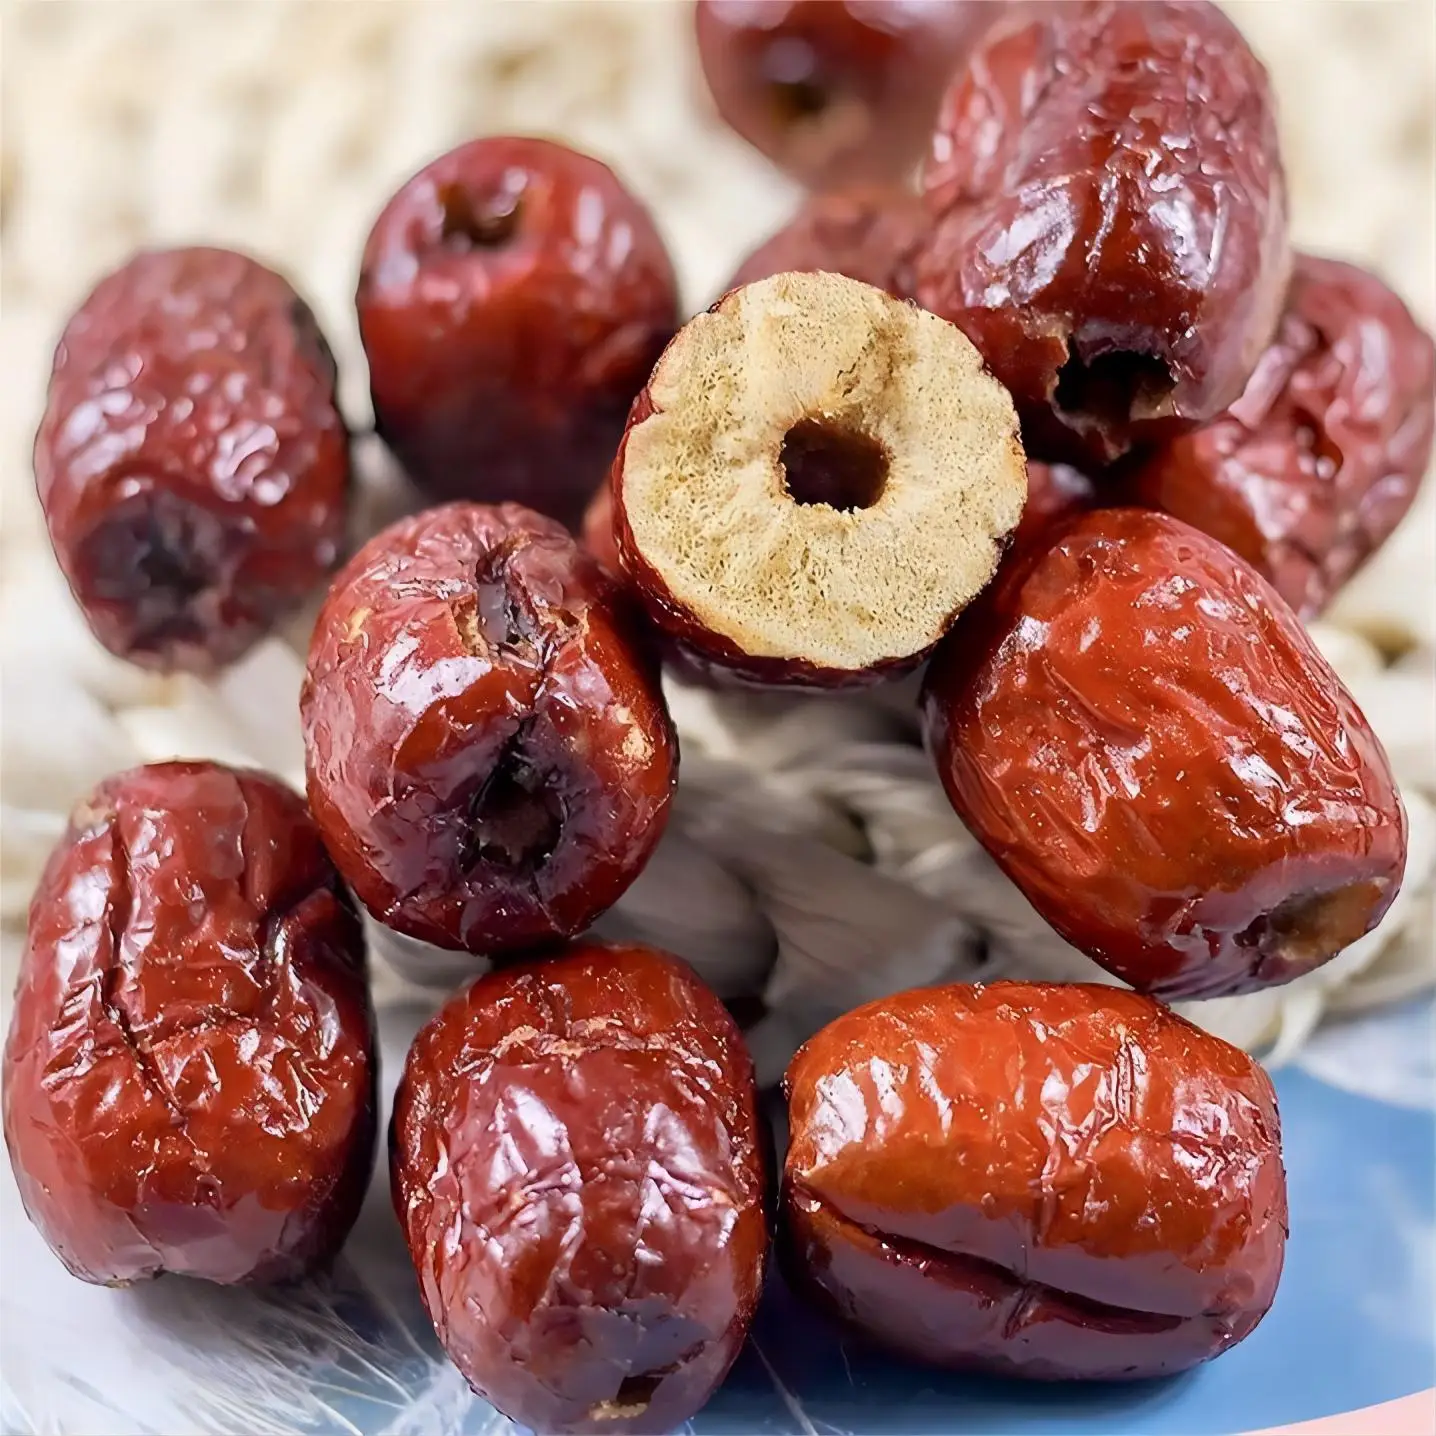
[824, 481]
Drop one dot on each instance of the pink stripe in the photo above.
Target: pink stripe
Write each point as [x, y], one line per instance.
[1407, 1416]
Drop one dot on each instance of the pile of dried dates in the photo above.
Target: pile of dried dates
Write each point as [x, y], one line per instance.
[1069, 420]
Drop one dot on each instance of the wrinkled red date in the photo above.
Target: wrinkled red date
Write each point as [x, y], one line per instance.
[869, 234]
[1316, 463]
[1139, 730]
[1110, 219]
[834, 91]
[191, 462]
[489, 754]
[1055, 1181]
[512, 299]
[190, 1068]
[577, 1167]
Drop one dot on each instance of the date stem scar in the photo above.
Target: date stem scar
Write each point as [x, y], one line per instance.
[1111, 390]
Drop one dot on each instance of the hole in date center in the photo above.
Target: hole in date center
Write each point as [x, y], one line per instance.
[828, 463]
[1115, 388]
[479, 221]
[514, 821]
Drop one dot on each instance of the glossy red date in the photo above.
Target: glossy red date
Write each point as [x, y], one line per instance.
[1109, 219]
[1310, 470]
[488, 750]
[869, 234]
[1055, 1181]
[512, 299]
[578, 1170]
[191, 462]
[1141, 733]
[190, 1068]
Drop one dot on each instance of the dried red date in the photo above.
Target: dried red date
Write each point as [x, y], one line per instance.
[190, 1069]
[1311, 469]
[512, 299]
[597, 530]
[1054, 492]
[816, 480]
[191, 462]
[489, 754]
[1055, 1181]
[1139, 730]
[869, 234]
[834, 91]
[1110, 219]
[577, 1167]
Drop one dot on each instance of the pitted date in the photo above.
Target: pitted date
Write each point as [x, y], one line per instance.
[1309, 471]
[512, 298]
[869, 234]
[190, 1068]
[815, 481]
[1109, 219]
[488, 751]
[834, 91]
[191, 462]
[1141, 733]
[1055, 1181]
[578, 1170]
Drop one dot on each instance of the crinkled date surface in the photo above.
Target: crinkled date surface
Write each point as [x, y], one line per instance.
[488, 751]
[190, 1067]
[835, 91]
[191, 462]
[867, 233]
[1141, 733]
[512, 299]
[1110, 219]
[1310, 470]
[1052, 1180]
[577, 1167]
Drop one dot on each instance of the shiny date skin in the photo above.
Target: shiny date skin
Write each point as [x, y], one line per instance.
[1055, 492]
[512, 299]
[1109, 211]
[577, 1167]
[597, 530]
[867, 233]
[191, 462]
[1055, 1181]
[488, 751]
[190, 1068]
[1141, 733]
[1312, 468]
[834, 91]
